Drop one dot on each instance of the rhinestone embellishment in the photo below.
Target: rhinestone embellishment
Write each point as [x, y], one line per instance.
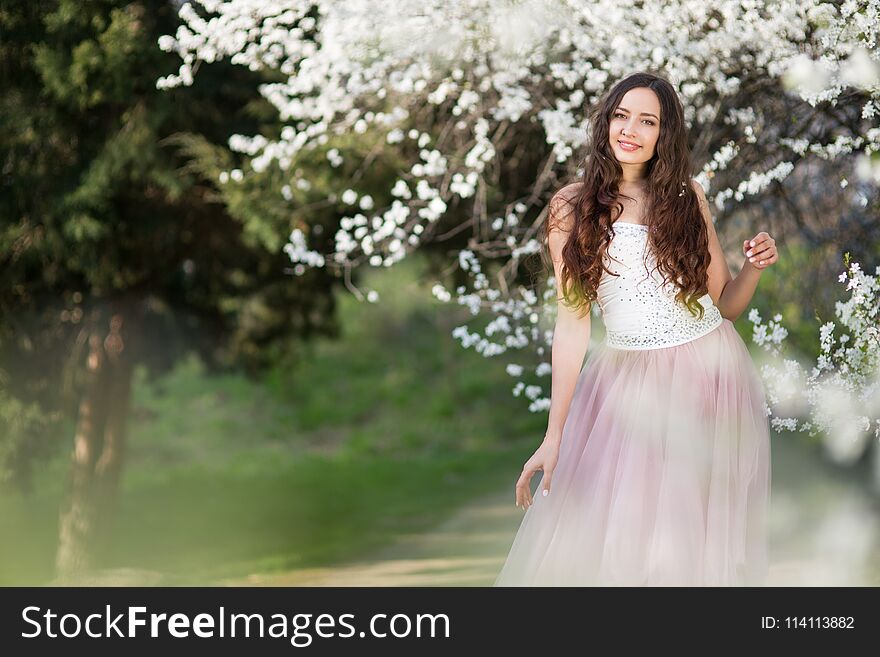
[639, 304]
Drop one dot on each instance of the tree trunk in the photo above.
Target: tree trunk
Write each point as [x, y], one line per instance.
[108, 469]
[98, 446]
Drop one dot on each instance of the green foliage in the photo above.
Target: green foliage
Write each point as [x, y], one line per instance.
[783, 290]
[84, 73]
[338, 451]
[104, 204]
[25, 427]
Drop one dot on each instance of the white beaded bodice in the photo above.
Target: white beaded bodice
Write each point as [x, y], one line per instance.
[640, 311]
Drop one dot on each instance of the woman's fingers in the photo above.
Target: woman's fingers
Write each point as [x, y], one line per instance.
[548, 480]
[767, 261]
[522, 487]
[760, 244]
[759, 238]
[523, 490]
[762, 256]
[761, 251]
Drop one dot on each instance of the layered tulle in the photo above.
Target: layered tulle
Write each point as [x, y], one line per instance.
[663, 477]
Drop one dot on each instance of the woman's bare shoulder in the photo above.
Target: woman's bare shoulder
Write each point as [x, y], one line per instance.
[562, 205]
[569, 192]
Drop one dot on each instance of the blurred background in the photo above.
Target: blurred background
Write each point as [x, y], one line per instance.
[178, 406]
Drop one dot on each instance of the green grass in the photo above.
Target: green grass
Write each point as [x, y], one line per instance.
[268, 514]
[386, 431]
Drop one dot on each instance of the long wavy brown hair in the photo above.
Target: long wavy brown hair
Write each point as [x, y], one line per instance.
[677, 233]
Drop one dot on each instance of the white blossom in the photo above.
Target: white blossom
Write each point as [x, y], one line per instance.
[489, 72]
[841, 392]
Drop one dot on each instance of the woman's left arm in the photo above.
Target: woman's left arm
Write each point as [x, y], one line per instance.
[733, 295]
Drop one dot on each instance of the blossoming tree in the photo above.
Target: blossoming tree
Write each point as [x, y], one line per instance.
[461, 88]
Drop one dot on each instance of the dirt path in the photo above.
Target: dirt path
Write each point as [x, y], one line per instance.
[824, 531]
[466, 550]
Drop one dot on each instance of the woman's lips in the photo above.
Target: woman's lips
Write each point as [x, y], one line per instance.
[627, 147]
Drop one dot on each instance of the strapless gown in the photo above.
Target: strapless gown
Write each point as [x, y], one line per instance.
[663, 477]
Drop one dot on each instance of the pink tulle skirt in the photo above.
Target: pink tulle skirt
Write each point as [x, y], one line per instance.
[663, 477]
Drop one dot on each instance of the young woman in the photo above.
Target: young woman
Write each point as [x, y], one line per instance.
[656, 460]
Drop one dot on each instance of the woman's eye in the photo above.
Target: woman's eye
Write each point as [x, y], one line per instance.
[648, 121]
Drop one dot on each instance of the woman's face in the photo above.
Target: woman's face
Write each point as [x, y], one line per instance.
[635, 120]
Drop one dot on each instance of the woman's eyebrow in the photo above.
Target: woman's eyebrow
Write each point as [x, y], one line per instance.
[643, 113]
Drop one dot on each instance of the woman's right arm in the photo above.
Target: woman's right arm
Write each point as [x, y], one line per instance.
[570, 339]
[571, 335]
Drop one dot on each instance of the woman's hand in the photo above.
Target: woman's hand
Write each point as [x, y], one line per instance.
[760, 251]
[544, 459]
